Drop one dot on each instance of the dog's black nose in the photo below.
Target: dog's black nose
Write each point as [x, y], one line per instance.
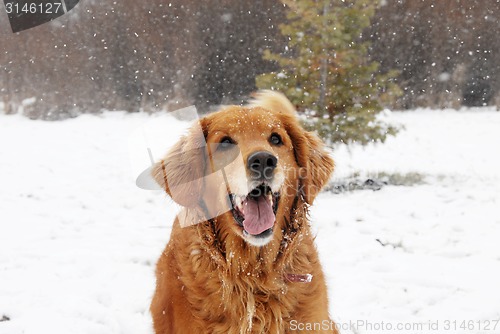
[261, 165]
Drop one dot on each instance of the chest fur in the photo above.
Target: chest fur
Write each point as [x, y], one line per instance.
[237, 300]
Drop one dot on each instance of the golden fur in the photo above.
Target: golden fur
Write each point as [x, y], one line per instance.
[209, 279]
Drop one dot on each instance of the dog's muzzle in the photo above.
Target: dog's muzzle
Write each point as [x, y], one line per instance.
[256, 211]
[261, 165]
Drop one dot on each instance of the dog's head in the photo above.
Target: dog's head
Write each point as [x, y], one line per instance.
[256, 161]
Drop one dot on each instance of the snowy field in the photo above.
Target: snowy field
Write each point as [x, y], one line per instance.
[78, 239]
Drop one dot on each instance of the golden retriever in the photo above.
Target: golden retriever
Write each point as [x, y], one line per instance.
[241, 256]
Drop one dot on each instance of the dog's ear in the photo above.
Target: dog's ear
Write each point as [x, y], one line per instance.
[182, 170]
[319, 167]
[315, 164]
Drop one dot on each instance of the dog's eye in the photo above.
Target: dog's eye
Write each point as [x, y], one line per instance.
[225, 143]
[275, 139]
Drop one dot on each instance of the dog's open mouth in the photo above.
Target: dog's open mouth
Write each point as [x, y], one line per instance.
[256, 212]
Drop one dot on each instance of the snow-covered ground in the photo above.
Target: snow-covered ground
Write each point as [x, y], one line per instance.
[78, 239]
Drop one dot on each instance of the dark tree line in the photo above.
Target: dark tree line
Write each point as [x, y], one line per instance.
[447, 51]
[132, 55]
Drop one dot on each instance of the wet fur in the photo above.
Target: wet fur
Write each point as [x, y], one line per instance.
[210, 280]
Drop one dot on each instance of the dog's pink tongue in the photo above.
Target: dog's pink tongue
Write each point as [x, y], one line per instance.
[259, 215]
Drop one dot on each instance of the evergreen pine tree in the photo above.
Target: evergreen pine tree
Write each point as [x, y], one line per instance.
[326, 72]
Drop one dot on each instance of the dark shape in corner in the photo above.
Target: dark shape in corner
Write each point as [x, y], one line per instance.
[26, 14]
[70, 4]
